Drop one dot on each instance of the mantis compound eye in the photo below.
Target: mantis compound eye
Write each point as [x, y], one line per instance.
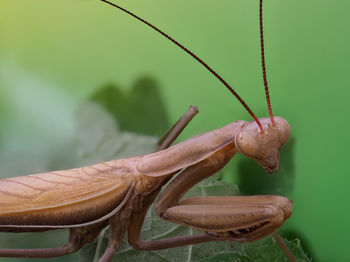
[246, 144]
[283, 130]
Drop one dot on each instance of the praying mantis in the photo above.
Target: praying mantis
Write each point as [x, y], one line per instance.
[119, 193]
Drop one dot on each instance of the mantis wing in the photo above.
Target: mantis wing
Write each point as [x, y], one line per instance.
[65, 197]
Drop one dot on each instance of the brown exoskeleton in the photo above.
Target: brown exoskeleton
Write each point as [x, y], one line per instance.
[119, 192]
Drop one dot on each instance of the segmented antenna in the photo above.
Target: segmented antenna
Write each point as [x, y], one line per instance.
[263, 63]
[195, 57]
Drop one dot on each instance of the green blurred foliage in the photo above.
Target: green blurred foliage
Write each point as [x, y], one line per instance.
[140, 110]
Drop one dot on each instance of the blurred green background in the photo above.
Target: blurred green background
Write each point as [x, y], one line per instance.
[56, 54]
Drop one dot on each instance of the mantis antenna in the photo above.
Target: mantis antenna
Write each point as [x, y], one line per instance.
[263, 63]
[209, 68]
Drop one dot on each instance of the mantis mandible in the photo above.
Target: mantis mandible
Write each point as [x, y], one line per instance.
[119, 193]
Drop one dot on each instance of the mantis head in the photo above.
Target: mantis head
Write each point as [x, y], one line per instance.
[264, 146]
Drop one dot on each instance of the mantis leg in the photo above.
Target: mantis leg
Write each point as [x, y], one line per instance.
[77, 238]
[118, 225]
[168, 138]
[283, 245]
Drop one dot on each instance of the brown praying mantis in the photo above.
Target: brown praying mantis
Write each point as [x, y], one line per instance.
[119, 193]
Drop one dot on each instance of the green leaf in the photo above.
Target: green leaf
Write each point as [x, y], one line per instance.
[265, 250]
